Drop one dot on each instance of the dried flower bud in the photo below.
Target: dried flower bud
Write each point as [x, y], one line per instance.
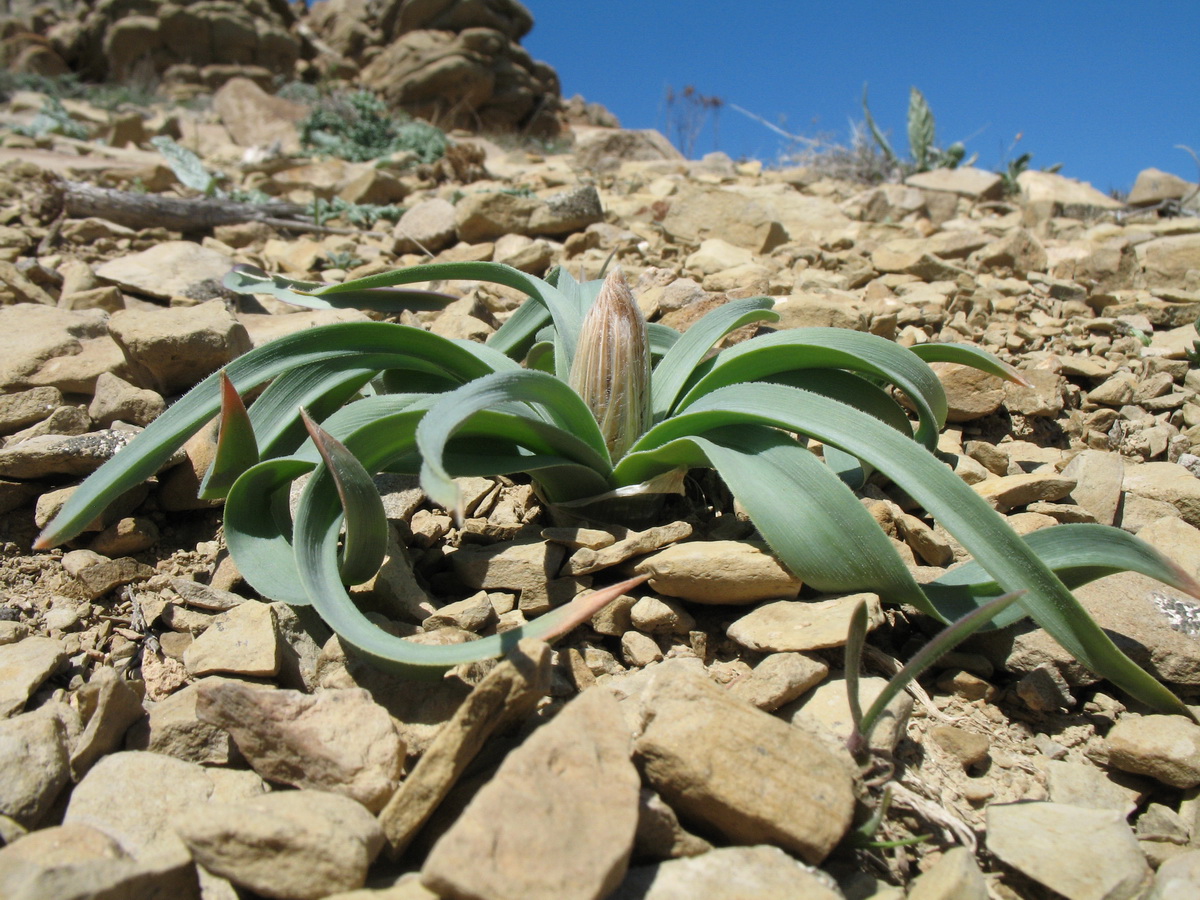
[611, 369]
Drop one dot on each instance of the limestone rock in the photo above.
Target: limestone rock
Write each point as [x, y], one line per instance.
[718, 572]
[1166, 748]
[116, 399]
[827, 709]
[24, 665]
[506, 695]
[970, 393]
[242, 641]
[728, 873]
[47, 455]
[579, 826]
[173, 729]
[36, 746]
[139, 798]
[1098, 479]
[294, 845]
[966, 181]
[743, 222]
[739, 771]
[428, 225]
[779, 678]
[956, 876]
[23, 408]
[340, 741]
[1168, 482]
[31, 334]
[1080, 853]
[254, 118]
[78, 862]
[795, 625]
[172, 349]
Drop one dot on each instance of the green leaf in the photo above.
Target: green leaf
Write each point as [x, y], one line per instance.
[187, 166]
[681, 360]
[1077, 553]
[922, 134]
[237, 449]
[942, 643]
[378, 345]
[968, 355]
[980, 529]
[888, 152]
[810, 519]
[247, 279]
[540, 397]
[364, 544]
[771, 355]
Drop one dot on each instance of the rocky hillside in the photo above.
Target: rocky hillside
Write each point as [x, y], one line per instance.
[168, 729]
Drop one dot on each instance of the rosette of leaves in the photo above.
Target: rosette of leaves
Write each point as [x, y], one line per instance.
[576, 392]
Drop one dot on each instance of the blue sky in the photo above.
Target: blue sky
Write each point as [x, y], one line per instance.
[1106, 88]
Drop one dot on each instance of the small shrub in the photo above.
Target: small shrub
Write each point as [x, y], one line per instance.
[358, 127]
[53, 119]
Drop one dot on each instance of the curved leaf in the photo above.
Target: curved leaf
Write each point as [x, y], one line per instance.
[690, 348]
[377, 345]
[769, 355]
[968, 355]
[998, 549]
[248, 279]
[575, 431]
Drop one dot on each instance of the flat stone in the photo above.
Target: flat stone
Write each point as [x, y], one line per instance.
[22, 408]
[116, 399]
[340, 740]
[50, 455]
[1085, 854]
[798, 625]
[428, 225]
[955, 876]
[78, 862]
[1177, 877]
[294, 845]
[579, 825]
[586, 560]
[169, 269]
[966, 181]
[1081, 784]
[747, 222]
[1165, 748]
[32, 334]
[728, 873]
[112, 705]
[36, 746]
[718, 572]
[242, 641]
[1009, 491]
[778, 679]
[170, 350]
[24, 665]
[1098, 479]
[507, 694]
[826, 709]
[740, 771]
[173, 729]
[139, 798]
[659, 835]
[1167, 482]
[970, 393]
[96, 574]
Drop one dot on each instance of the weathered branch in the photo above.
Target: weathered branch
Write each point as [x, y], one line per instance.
[82, 200]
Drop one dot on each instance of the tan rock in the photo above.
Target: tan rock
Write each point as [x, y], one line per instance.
[425, 226]
[24, 665]
[579, 825]
[796, 625]
[339, 741]
[254, 118]
[1167, 482]
[729, 873]
[294, 845]
[1010, 491]
[1165, 748]
[740, 771]
[1098, 478]
[718, 572]
[172, 349]
[243, 641]
[506, 695]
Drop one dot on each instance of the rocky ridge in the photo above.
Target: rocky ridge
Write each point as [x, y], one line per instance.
[184, 735]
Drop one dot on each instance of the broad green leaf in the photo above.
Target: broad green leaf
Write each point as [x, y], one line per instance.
[767, 356]
[1077, 553]
[376, 345]
[808, 517]
[967, 355]
[237, 448]
[247, 279]
[364, 543]
[980, 529]
[575, 430]
[690, 348]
